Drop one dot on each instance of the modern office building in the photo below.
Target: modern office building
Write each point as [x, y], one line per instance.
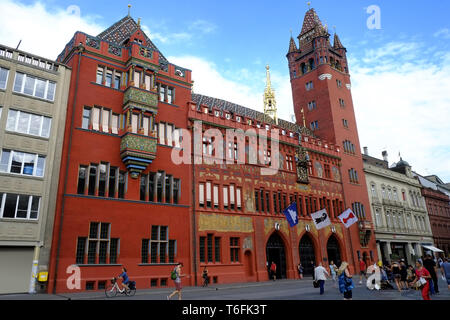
[33, 105]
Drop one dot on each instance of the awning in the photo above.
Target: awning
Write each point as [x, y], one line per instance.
[434, 249]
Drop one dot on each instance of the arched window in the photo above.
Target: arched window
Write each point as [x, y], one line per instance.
[311, 64]
[303, 68]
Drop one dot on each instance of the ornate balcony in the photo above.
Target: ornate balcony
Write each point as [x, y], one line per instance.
[137, 152]
[135, 98]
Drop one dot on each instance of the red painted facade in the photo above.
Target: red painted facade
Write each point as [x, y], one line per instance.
[123, 202]
[438, 207]
[321, 90]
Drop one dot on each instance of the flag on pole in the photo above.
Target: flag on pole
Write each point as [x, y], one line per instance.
[348, 218]
[291, 214]
[321, 219]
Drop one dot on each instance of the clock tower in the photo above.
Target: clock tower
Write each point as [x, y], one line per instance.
[321, 90]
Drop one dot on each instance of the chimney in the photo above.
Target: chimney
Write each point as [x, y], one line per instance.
[385, 156]
[366, 151]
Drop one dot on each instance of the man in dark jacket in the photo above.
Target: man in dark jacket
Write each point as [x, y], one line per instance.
[430, 265]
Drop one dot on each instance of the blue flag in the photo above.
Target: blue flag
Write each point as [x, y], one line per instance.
[291, 214]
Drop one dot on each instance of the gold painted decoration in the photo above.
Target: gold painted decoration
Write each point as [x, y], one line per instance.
[269, 224]
[224, 223]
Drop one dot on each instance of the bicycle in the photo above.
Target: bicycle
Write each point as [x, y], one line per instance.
[113, 289]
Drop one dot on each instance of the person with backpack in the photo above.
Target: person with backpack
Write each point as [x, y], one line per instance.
[345, 281]
[176, 277]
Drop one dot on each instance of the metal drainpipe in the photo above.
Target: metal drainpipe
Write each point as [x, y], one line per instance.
[80, 51]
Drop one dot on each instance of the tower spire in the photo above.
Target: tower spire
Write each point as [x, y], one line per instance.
[270, 104]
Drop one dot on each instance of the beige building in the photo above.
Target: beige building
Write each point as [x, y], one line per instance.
[402, 225]
[33, 105]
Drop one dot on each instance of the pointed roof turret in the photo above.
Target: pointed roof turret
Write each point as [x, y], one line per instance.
[292, 45]
[337, 42]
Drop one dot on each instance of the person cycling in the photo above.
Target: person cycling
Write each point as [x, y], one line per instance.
[125, 279]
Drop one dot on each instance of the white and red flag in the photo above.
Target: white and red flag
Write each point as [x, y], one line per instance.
[348, 218]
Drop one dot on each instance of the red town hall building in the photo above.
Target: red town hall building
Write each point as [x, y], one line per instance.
[122, 201]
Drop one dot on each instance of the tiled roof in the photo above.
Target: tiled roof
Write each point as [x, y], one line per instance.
[310, 21]
[236, 109]
[337, 42]
[119, 32]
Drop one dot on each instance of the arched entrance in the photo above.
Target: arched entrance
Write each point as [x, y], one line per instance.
[333, 252]
[275, 252]
[307, 254]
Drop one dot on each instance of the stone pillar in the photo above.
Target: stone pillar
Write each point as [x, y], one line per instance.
[380, 257]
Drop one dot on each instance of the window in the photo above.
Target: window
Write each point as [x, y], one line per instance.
[378, 217]
[339, 83]
[353, 176]
[28, 123]
[99, 75]
[161, 249]
[239, 199]
[107, 187]
[29, 85]
[22, 163]
[201, 195]
[342, 103]
[234, 249]
[202, 248]
[314, 125]
[373, 189]
[208, 194]
[99, 245]
[225, 197]
[345, 123]
[3, 77]
[170, 95]
[19, 206]
[309, 86]
[86, 118]
[312, 105]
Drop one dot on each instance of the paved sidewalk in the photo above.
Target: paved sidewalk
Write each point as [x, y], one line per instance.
[269, 290]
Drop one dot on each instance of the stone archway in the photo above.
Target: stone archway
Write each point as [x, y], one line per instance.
[333, 251]
[307, 254]
[276, 252]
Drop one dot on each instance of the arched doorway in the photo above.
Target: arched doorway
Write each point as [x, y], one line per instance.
[275, 252]
[307, 254]
[333, 252]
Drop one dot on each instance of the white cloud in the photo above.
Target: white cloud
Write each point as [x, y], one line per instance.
[404, 107]
[443, 33]
[43, 30]
[202, 26]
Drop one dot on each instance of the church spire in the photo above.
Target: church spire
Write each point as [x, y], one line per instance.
[270, 104]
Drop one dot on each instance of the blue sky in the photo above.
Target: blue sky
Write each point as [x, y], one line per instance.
[400, 81]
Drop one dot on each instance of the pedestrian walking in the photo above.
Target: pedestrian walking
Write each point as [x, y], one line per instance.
[300, 271]
[423, 278]
[362, 270]
[333, 270]
[403, 275]
[205, 277]
[430, 265]
[395, 268]
[345, 281]
[176, 277]
[273, 270]
[312, 265]
[320, 275]
[445, 268]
